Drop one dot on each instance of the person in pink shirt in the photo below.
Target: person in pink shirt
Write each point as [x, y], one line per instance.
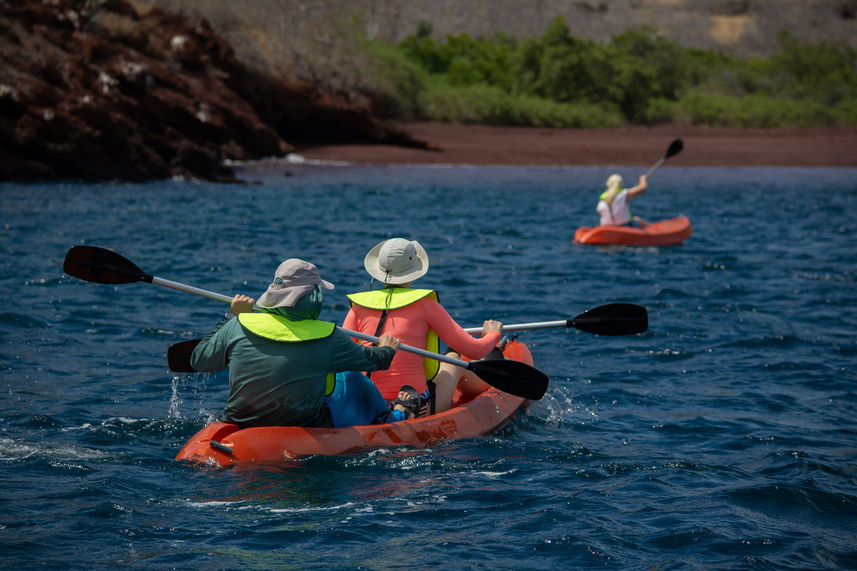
[416, 318]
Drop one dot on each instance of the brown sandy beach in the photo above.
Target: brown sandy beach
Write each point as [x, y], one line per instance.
[703, 146]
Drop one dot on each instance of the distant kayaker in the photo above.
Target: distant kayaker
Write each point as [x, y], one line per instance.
[287, 368]
[415, 317]
[613, 204]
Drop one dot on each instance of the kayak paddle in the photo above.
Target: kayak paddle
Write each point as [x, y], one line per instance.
[609, 319]
[513, 377]
[100, 265]
[675, 148]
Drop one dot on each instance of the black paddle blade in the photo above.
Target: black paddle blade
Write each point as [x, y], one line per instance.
[102, 266]
[513, 377]
[613, 319]
[674, 148]
[178, 356]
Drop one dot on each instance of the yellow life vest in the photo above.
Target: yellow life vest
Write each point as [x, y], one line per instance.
[278, 328]
[395, 298]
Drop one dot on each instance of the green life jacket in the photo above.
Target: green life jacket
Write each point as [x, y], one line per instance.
[278, 328]
[388, 299]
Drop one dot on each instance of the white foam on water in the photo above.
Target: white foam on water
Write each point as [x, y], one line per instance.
[15, 450]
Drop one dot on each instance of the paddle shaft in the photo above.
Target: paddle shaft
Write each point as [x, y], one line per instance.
[190, 289]
[655, 166]
[610, 319]
[674, 149]
[526, 326]
[409, 349]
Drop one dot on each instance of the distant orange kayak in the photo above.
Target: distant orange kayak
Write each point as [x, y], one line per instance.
[222, 444]
[663, 233]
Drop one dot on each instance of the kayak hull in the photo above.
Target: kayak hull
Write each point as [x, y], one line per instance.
[662, 233]
[223, 444]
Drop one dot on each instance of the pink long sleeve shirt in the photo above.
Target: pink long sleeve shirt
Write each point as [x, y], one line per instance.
[410, 325]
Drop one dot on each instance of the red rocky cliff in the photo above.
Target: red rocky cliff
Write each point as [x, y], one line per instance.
[117, 94]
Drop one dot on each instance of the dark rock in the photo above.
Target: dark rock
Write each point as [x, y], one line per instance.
[118, 94]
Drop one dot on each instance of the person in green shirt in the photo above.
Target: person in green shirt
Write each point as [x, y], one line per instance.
[286, 367]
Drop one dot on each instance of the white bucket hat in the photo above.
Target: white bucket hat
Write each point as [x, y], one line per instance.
[397, 261]
[293, 279]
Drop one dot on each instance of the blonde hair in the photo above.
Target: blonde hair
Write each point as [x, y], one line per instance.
[614, 182]
[614, 187]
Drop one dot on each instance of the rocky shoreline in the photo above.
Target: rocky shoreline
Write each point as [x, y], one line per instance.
[122, 94]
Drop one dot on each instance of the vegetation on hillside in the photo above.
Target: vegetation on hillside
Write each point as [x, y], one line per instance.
[561, 81]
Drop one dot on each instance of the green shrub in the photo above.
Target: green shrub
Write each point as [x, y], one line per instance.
[845, 112]
[752, 111]
[396, 80]
[638, 77]
[488, 105]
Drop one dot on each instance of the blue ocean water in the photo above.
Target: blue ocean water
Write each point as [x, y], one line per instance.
[724, 437]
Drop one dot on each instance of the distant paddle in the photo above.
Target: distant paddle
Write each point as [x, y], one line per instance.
[675, 148]
[100, 265]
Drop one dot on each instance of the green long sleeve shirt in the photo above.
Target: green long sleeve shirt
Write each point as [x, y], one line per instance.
[275, 383]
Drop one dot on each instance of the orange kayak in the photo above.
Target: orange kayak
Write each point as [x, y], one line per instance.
[663, 233]
[222, 444]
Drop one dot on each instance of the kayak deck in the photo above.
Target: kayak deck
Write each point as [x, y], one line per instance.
[662, 233]
[223, 444]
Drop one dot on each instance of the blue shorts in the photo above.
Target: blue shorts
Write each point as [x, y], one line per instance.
[355, 401]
